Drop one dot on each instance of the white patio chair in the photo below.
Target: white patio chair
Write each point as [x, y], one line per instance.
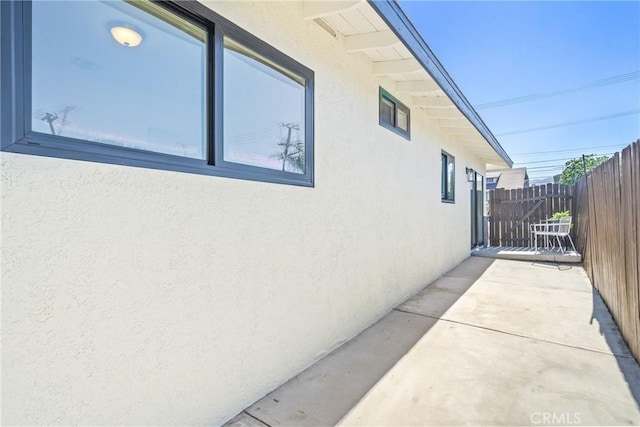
[558, 229]
[544, 224]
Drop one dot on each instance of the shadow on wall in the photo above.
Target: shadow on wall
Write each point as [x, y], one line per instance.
[626, 362]
[341, 379]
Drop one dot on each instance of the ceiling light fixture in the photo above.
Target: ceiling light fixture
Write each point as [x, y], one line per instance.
[126, 36]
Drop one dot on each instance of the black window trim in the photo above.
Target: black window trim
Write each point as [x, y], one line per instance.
[16, 137]
[397, 105]
[444, 175]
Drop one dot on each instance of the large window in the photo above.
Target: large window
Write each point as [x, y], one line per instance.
[107, 72]
[263, 111]
[448, 177]
[159, 85]
[393, 114]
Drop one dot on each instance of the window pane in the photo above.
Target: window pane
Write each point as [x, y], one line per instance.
[403, 122]
[264, 112]
[88, 85]
[443, 173]
[451, 177]
[387, 111]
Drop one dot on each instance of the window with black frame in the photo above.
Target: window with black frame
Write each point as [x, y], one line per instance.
[448, 181]
[168, 85]
[393, 114]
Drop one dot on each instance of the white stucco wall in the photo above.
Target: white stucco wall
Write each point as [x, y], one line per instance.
[135, 296]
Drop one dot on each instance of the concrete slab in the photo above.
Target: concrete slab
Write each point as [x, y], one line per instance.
[492, 342]
[540, 274]
[458, 285]
[528, 254]
[471, 268]
[325, 392]
[431, 301]
[571, 317]
[245, 420]
[463, 375]
[439, 296]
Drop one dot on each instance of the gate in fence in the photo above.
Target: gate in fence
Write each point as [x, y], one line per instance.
[511, 211]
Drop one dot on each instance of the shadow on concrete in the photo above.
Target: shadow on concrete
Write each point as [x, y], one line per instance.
[553, 265]
[608, 328]
[325, 392]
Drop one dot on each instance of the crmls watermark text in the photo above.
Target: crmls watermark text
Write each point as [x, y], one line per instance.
[555, 418]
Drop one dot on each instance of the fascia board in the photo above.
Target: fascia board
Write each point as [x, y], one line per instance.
[393, 15]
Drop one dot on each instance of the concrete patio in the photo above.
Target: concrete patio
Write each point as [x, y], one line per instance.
[492, 342]
[528, 254]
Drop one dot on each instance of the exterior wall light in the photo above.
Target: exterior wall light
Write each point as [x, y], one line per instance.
[470, 175]
[126, 36]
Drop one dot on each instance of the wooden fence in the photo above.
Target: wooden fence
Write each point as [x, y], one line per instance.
[607, 234]
[511, 211]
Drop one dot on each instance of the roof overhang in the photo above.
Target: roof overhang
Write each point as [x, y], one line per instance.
[380, 30]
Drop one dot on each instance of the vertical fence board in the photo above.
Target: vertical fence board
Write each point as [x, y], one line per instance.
[512, 217]
[493, 211]
[635, 185]
[534, 193]
[617, 243]
[502, 198]
[519, 213]
[531, 195]
[630, 245]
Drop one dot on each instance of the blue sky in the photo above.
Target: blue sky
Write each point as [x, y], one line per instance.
[498, 50]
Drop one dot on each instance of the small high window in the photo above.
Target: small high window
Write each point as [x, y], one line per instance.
[394, 115]
[448, 175]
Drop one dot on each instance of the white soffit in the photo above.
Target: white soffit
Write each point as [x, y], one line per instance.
[365, 33]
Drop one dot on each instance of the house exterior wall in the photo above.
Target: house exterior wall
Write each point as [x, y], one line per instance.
[135, 296]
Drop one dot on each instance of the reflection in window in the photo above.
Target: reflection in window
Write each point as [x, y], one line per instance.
[393, 114]
[94, 83]
[448, 174]
[403, 122]
[264, 112]
[387, 109]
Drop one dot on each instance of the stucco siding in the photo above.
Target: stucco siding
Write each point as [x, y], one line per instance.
[135, 296]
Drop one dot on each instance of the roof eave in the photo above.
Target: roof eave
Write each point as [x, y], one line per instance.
[393, 15]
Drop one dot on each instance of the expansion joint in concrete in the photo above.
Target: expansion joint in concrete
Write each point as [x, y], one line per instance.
[511, 333]
[257, 419]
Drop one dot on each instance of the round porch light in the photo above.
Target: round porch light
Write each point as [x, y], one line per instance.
[126, 36]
